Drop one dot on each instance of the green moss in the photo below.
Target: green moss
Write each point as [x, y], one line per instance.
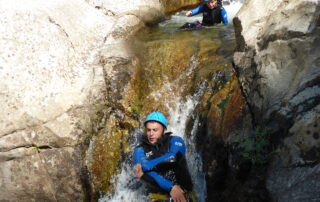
[136, 105]
[37, 148]
[106, 158]
[256, 147]
[91, 130]
[222, 105]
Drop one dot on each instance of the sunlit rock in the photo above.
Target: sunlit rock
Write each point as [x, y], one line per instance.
[49, 86]
[44, 175]
[277, 61]
[145, 10]
[173, 6]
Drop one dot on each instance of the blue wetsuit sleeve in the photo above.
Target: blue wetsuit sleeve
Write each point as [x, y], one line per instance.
[161, 181]
[224, 16]
[176, 145]
[139, 156]
[197, 10]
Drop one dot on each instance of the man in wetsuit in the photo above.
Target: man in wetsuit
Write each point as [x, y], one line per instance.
[213, 13]
[160, 160]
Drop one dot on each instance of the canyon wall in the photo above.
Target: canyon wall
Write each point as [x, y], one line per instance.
[64, 70]
[277, 61]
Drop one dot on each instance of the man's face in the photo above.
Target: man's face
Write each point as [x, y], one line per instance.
[212, 4]
[154, 131]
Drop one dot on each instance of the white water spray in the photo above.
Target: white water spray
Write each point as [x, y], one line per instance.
[127, 188]
[232, 8]
[195, 164]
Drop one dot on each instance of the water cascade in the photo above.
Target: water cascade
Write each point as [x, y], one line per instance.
[184, 78]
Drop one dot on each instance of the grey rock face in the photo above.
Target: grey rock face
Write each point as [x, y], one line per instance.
[51, 175]
[50, 84]
[278, 64]
[60, 61]
[295, 183]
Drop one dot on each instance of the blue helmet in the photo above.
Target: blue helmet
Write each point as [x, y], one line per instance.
[158, 117]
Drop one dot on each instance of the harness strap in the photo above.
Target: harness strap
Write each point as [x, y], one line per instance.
[156, 197]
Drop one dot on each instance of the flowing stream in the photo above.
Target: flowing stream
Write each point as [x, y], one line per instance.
[175, 93]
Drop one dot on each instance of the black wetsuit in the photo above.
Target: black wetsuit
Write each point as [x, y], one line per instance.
[165, 159]
[211, 16]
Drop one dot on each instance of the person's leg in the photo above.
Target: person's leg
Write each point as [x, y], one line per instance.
[191, 26]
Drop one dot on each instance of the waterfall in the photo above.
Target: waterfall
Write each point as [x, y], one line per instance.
[127, 188]
[232, 7]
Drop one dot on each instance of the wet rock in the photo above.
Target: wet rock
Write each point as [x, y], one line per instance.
[227, 118]
[108, 148]
[227, 111]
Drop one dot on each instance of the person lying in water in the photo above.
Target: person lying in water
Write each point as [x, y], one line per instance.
[159, 161]
[213, 13]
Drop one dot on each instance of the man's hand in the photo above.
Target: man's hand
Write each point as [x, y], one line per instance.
[176, 194]
[189, 13]
[137, 170]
